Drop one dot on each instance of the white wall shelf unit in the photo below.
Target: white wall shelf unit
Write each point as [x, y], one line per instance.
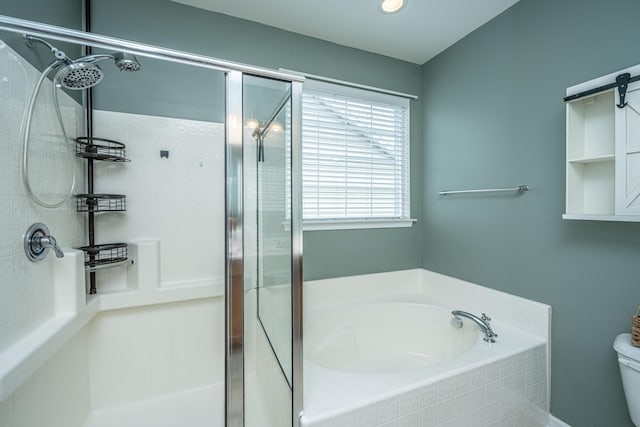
[602, 172]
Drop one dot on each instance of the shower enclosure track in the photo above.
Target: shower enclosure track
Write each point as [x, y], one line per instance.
[53, 32]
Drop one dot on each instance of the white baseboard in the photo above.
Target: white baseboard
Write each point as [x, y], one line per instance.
[556, 422]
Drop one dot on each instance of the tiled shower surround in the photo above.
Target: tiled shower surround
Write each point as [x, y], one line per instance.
[511, 392]
[25, 299]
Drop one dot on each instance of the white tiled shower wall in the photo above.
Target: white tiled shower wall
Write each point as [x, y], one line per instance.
[177, 200]
[26, 293]
[124, 357]
[57, 394]
[508, 393]
[145, 352]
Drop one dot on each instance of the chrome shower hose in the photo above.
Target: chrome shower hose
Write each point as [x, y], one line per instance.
[26, 138]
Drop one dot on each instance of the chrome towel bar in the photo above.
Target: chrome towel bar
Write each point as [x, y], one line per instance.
[521, 189]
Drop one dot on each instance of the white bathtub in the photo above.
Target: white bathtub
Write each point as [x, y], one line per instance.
[395, 358]
[385, 337]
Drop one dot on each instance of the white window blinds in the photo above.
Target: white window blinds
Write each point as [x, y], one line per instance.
[355, 154]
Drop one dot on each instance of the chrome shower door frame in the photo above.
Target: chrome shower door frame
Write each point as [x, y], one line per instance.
[296, 254]
[234, 292]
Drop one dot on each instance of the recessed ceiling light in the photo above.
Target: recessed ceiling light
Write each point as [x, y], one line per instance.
[392, 6]
[252, 123]
[276, 126]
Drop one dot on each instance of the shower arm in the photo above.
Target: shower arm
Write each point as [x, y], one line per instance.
[59, 54]
[30, 39]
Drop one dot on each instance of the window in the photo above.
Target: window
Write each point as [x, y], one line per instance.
[355, 157]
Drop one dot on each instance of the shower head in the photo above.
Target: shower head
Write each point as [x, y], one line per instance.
[79, 75]
[126, 62]
[83, 73]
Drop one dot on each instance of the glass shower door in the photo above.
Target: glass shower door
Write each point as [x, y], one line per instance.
[269, 240]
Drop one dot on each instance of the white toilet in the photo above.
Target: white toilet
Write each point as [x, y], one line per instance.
[629, 360]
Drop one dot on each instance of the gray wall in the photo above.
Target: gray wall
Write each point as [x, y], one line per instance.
[494, 116]
[64, 13]
[327, 254]
[162, 88]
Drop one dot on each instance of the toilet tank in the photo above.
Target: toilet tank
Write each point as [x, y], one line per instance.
[629, 361]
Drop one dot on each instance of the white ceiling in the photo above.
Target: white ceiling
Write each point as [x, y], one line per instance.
[416, 34]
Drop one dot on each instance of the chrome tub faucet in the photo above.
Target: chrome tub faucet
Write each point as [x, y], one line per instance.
[481, 322]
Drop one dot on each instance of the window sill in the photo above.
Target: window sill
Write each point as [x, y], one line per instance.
[342, 224]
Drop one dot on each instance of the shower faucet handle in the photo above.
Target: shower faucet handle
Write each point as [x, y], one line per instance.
[38, 241]
[51, 243]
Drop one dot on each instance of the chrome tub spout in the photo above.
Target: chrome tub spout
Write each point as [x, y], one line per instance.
[481, 322]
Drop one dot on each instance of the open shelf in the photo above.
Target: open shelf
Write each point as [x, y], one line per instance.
[591, 126]
[590, 188]
[602, 148]
[591, 156]
[596, 159]
[595, 217]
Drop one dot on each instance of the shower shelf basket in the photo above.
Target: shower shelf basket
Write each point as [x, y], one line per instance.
[101, 203]
[98, 257]
[103, 149]
[105, 254]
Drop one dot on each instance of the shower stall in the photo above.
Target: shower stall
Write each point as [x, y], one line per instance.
[192, 164]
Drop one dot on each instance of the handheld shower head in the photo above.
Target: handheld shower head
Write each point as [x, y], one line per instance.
[84, 73]
[79, 75]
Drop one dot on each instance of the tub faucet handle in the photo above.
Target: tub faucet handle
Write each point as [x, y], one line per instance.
[485, 318]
